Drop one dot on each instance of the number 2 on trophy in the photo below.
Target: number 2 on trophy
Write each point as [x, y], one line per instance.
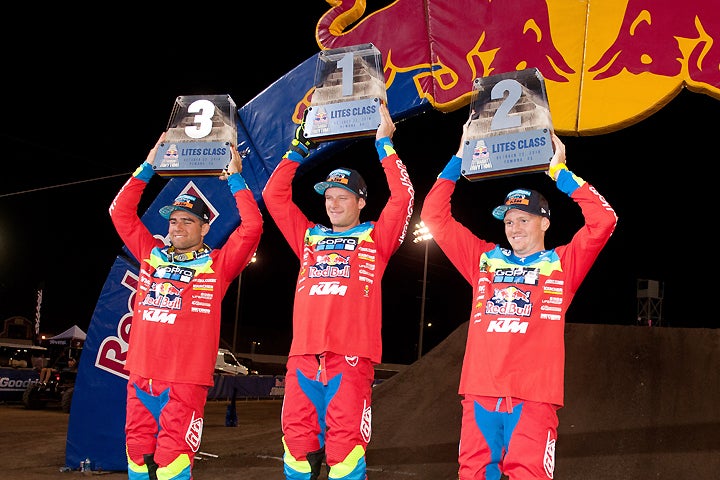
[502, 119]
[202, 127]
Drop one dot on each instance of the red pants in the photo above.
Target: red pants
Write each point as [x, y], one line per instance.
[507, 436]
[327, 406]
[164, 420]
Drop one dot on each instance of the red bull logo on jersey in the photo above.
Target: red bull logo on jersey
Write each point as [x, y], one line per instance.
[509, 301]
[331, 265]
[164, 295]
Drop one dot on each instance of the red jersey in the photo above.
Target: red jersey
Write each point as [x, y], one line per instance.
[515, 345]
[338, 302]
[175, 330]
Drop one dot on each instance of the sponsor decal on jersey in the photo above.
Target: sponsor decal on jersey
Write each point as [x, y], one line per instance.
[524, 275]
[328, 288]
[337, 243]
[175, 272]
[509, 301]
[507, 325]
[164, 295]
[330, 265]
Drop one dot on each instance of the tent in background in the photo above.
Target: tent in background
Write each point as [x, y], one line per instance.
[73, 336]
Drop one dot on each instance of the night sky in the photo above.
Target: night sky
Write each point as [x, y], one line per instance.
[77, 123]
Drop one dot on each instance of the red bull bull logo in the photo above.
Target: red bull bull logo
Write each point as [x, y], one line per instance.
[645, 49]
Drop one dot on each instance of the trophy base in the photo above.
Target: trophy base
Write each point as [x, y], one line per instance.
[504, 155]
[192, 159]
[334, 121]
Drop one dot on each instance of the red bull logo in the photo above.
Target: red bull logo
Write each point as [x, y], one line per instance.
[645, 49]
[511, 294]
[332, 259]
[164, 295]
[509, 301]
[331, 265]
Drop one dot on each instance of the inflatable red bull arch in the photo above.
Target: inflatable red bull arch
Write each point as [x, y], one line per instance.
[607, 64]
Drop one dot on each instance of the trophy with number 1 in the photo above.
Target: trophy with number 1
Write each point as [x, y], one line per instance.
[349, 87]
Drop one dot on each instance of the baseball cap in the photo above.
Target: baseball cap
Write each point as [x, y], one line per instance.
[189, 203]
[346, 178]
[530, 201]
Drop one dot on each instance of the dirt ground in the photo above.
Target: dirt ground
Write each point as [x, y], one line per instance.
[32, 446]
[640, 403]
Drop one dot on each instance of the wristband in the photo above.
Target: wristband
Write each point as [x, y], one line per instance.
[236, 182]
[452, 170]
[554, 169]
[144, 172]
[384, 147]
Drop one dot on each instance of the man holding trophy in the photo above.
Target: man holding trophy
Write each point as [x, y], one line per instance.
[337, 314]
[173, 342]
[513, 369]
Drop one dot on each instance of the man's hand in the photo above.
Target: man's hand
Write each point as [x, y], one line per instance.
[387, 127]
[235, 165]
[557, 162]
[153, 151]
[463, 139]
[300, 134]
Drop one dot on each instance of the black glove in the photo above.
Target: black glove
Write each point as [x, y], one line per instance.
[300, 143]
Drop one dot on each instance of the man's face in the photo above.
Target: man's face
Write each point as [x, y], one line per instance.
[186, 231]
[343, 208]
[525, 231]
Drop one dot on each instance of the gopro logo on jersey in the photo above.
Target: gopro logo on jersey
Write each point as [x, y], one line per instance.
[337, 243]
[159, 316]
[525, 275]
[328, 288]
[174, 272]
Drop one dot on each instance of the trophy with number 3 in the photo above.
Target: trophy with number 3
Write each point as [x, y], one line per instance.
[510, 126]
[200, 132]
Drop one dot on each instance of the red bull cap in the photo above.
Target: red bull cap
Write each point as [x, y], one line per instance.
[346, 178]
[530, 201]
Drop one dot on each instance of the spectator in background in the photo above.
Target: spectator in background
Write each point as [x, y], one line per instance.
[56, 365]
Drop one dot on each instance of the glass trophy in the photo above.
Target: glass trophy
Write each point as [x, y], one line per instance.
[200, 132]
[510, 126]
[349, 87]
